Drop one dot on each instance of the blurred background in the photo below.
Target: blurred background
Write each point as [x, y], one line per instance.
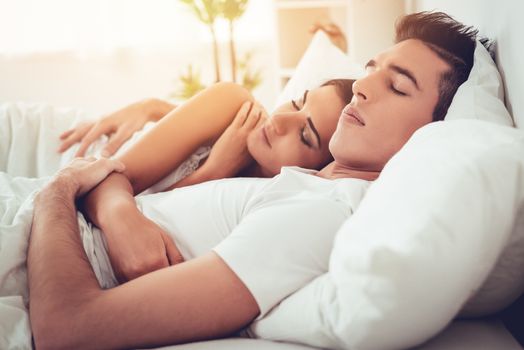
[98, 55]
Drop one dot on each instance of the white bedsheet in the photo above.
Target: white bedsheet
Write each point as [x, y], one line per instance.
[16, 214]
[29, 139]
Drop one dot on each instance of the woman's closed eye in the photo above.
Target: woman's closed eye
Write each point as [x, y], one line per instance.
[305, 136]
[298, 105]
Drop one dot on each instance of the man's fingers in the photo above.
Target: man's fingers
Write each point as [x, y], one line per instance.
[90, 172]
[173, 254]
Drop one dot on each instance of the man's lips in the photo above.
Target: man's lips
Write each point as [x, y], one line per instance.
[352, 115]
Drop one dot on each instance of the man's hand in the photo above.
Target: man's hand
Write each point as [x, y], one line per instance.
[82, 174]
[119, 126]
[137, 246]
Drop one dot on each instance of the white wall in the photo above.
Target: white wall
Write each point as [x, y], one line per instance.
[372, 24]
[98, 55]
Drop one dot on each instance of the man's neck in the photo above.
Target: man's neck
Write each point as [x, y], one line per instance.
[336, 170]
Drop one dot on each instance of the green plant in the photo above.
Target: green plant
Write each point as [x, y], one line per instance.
[207, 12]
[191, 84]
[232, 10]
[251, 78]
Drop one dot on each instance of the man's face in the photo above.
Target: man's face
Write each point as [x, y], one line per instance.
[394, 99]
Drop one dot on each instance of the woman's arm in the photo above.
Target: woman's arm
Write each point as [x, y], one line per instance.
[200, 121]
[119, 126]
[229, 154]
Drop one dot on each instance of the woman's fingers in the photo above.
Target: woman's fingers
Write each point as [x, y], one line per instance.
[94, 133]
[242, 114]
[73, 136]
[254, 116]
[116, 141]
[66, 134]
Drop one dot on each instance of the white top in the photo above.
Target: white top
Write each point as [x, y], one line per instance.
[276, 234]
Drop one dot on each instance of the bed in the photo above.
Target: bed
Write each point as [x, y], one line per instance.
[492, 332]
[500, 22]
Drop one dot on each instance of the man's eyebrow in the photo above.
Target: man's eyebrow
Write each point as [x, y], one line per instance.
[312, 126]
[405, 72]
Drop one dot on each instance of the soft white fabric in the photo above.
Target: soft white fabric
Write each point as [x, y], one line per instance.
[321, 62]
[391, 284]
[16, 215]
[420, 244]
[275, 234]
[29, 139]
[481, 97]
[286, 232]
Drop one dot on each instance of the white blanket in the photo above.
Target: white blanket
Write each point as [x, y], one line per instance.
[29, 138]
[16, 214]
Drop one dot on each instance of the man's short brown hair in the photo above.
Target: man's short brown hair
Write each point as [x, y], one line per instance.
[452, 41]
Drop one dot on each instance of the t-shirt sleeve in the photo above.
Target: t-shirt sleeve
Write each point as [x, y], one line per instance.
[278, 248]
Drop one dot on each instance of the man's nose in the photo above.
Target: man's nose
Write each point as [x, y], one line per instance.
[365, 88]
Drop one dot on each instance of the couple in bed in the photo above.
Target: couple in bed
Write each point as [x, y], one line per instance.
[279, 230]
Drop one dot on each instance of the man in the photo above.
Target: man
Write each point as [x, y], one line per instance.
[407, 87]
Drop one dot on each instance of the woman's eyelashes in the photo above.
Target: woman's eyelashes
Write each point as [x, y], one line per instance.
[301, 103]
[304, 136]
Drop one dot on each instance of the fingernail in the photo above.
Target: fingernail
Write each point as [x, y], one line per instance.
[105, 154]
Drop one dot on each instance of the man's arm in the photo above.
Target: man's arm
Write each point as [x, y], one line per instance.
[199, 299]
[199, 121]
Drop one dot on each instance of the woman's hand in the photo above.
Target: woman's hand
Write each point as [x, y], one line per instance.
[136, 245]
[229, 155]
[119, 126]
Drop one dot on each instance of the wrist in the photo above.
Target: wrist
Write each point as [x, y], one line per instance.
[115, 211]
[59, 187]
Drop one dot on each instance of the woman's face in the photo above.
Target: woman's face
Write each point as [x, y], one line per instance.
[298, 132]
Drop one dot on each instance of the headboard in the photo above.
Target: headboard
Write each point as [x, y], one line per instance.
[500, 21]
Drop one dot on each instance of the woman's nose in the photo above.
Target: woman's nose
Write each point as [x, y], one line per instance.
[283, 122]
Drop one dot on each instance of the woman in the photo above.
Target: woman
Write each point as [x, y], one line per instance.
[199, 126]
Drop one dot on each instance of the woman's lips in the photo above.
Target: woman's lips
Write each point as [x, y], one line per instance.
[351, 115]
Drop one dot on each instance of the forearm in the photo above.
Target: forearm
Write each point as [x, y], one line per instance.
[199, 121]
[113, 194]
[157, 108]
[61, 279]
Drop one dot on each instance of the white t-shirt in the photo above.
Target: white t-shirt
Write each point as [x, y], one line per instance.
[276, 234]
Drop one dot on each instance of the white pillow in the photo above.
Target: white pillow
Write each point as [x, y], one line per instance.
[482, 95]
[446, 203]
[321, 62]
[422, 241]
